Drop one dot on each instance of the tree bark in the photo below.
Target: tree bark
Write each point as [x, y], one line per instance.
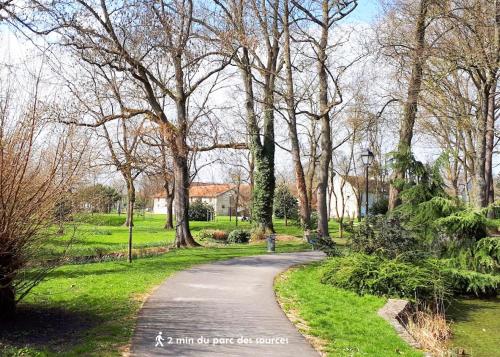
[479, 192]
[300, 180]
[130, 203]
[326, 141]
[169, 223]
[490, 138]
[263, 153]
[183, 237]
[7, 296]
[411, 104]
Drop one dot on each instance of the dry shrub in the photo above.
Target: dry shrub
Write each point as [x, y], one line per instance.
[430, 330]
[38, 167]
[259, 234]
[219, 235]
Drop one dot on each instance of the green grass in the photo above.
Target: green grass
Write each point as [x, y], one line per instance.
[476, 326]
[109, 295]
[99, 233]
[348, 323]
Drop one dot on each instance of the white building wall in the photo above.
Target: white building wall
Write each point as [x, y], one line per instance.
[346, 202]
[349, 201]
[220, 203]
[160, 205]
[223, 203]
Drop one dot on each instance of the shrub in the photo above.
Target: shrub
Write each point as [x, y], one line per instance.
[212, 235]
[430, 280]
[486, 255]
[285, 204]
[431, 331]
[483, 256]
[238, 236]
[327, 246]
[219, 236]
[383, 235]
[371, 274]
[205, 234]
[200, 211]
[258, 234]
[468, 282]
[380, 206]
[464, 227]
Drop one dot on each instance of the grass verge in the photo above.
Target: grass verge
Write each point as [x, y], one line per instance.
[343, 323]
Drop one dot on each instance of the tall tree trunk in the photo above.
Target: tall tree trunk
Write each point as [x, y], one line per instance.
[311, 170]
[300, 180]
[169, 223]
[411, 104]
[480, 198]
[263, 153]
[129, 221]
[7, 291]
[326, 135]
[490, 138]
[183, 237]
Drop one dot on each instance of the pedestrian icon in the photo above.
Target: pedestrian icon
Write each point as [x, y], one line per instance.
[159, 340]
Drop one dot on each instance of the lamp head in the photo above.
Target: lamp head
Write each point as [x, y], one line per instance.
[367, 157]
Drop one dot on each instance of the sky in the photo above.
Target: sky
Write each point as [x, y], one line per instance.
[16, 51]
[366, 11]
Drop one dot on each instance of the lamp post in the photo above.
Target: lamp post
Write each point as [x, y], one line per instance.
[367, 159]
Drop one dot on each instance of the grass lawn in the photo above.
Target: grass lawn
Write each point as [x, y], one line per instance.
[476, 326]
[99, 233]
[90, 309]
[347, 323]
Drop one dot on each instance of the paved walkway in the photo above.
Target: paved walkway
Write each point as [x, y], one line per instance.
[226, 308]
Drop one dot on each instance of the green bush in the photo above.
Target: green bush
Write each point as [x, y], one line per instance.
[371, 274]
[327, 246]
[380, 206]
[200, 211]
[205, 234]
[486, 255]
[385, 236]
[238, 236]
[213, 235]
[285, 204]
[427, 280]
[483, 256]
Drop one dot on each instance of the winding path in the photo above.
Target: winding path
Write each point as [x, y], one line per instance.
[226, 308]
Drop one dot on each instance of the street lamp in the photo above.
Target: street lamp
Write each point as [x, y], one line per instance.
[367, 159]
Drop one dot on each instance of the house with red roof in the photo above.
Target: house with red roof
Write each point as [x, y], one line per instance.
[221, 196]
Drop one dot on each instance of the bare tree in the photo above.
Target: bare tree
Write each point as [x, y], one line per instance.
[324, 15]
[164, 50]
[251, 23]
[39, 164]
[407, 123]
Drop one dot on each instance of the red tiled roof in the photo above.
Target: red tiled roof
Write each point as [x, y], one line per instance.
[198, 189]
[210, 190]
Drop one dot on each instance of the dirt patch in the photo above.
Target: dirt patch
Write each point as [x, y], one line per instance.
[45, 328]
[286, 238]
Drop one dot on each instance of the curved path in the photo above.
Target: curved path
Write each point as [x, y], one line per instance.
[226, 308]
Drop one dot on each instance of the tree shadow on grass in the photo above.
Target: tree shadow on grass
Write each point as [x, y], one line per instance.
[46, 328]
